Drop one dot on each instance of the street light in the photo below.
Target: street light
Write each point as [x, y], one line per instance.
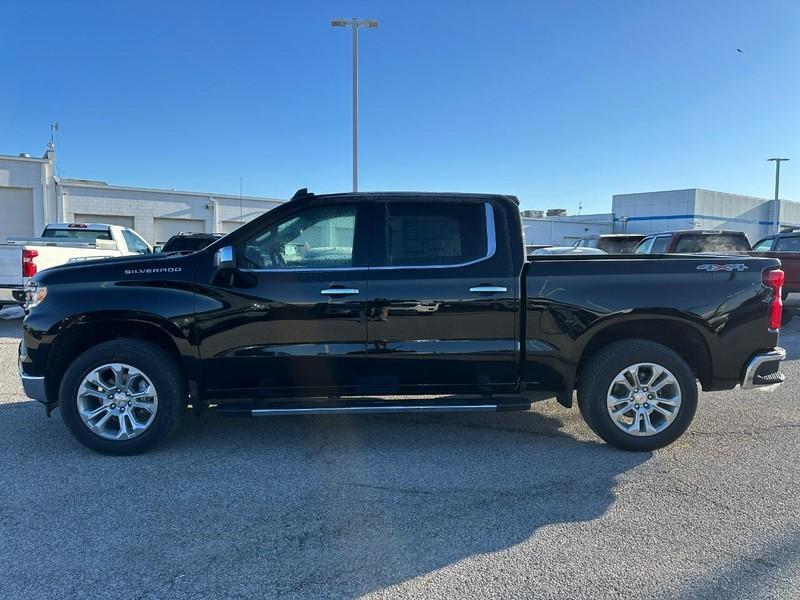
[355, 24]
[777, 161]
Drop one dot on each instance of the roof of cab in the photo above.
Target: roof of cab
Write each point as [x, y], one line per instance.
[303, 194]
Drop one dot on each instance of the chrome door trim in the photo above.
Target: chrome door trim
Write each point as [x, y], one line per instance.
[488, 289]
[339, 291]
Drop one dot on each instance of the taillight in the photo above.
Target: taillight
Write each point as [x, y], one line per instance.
[774, 279]
[28, 266]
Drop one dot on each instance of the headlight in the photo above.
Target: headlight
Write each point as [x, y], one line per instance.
[34, 294]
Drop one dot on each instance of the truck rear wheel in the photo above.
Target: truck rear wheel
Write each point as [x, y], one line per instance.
[122, 396]
[637, 395]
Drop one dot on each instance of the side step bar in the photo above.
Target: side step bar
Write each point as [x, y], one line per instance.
[304, 408]
[373, 410]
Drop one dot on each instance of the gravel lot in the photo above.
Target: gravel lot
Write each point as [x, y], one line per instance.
[511, 505]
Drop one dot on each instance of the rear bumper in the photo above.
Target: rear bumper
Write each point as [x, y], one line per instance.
[11, 295]
[763, 370]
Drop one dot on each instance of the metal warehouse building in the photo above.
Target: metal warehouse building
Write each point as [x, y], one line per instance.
[650, 212]
[702, 209]
[32, 196]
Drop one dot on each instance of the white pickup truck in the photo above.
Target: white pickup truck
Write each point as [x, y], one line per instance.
[21, 258]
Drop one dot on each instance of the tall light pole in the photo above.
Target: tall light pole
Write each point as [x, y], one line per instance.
[777, 161]
[355, 24]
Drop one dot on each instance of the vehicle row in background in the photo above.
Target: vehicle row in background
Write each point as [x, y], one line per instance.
[694, 241]
[786, 247]
[611, 243]
[60, 243]
[189, 242]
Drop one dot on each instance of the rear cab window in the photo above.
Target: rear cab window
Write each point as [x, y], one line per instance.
[712, 242]
[77, 234]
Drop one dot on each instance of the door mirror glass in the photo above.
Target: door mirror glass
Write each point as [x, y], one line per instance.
[225, 258]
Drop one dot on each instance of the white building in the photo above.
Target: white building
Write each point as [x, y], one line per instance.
[563, 231]
[32, 196]
[650, 212]
[702, 209]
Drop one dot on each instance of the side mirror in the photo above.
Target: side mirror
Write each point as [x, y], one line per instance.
[225, 258]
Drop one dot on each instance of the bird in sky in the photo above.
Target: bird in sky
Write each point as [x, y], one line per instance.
[740, 50]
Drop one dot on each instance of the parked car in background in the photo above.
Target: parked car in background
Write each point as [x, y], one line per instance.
[189, 242]
[693, 241]
[565, 250]
[394, 302]
[786, 247]
[21, 258]
[611, 243]
[529, 248]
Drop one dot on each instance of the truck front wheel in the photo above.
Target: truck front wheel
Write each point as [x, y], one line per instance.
[637, 395]
[122, 396]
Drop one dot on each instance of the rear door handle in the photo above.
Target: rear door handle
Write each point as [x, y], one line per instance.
[339, 291]
[488, 289]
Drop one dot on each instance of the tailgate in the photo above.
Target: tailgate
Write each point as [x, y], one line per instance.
[10, 266]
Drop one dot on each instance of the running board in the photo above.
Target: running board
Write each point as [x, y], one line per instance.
[256, 410]
[372, 410]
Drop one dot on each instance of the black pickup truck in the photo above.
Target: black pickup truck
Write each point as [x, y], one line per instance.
[394, 302]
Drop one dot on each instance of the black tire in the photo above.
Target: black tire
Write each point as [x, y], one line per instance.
[598, 374]
[158, 365]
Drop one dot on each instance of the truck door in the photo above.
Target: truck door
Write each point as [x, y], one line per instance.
[441, 307]
[291, 320]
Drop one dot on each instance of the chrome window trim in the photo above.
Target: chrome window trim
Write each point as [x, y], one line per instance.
[491, 248]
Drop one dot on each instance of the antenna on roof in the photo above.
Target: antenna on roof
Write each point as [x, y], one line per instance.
[300, 192]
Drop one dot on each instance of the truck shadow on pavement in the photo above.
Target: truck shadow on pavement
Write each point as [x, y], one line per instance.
[289, 507]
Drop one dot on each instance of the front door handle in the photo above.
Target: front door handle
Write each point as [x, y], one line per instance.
[488, 289]
[339, 291]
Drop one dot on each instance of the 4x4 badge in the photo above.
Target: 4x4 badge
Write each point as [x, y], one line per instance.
[730, 267]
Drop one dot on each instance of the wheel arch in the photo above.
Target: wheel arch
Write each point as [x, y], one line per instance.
[81, 333]
[679, 335]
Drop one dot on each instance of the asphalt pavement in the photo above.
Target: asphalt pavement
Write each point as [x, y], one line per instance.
[515, 505]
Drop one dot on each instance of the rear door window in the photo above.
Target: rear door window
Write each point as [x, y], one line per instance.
[435, 234]
[788, 244]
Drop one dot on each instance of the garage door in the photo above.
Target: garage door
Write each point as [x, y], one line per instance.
[166, 228]
[121, 220]
[16, 206]
[228, 226]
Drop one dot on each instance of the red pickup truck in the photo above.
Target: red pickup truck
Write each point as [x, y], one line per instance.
[786, 247]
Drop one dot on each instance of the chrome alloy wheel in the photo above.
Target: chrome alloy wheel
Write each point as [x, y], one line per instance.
[644, 399]
[117, 401]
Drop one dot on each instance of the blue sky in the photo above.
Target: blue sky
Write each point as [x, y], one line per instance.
[557, 102]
